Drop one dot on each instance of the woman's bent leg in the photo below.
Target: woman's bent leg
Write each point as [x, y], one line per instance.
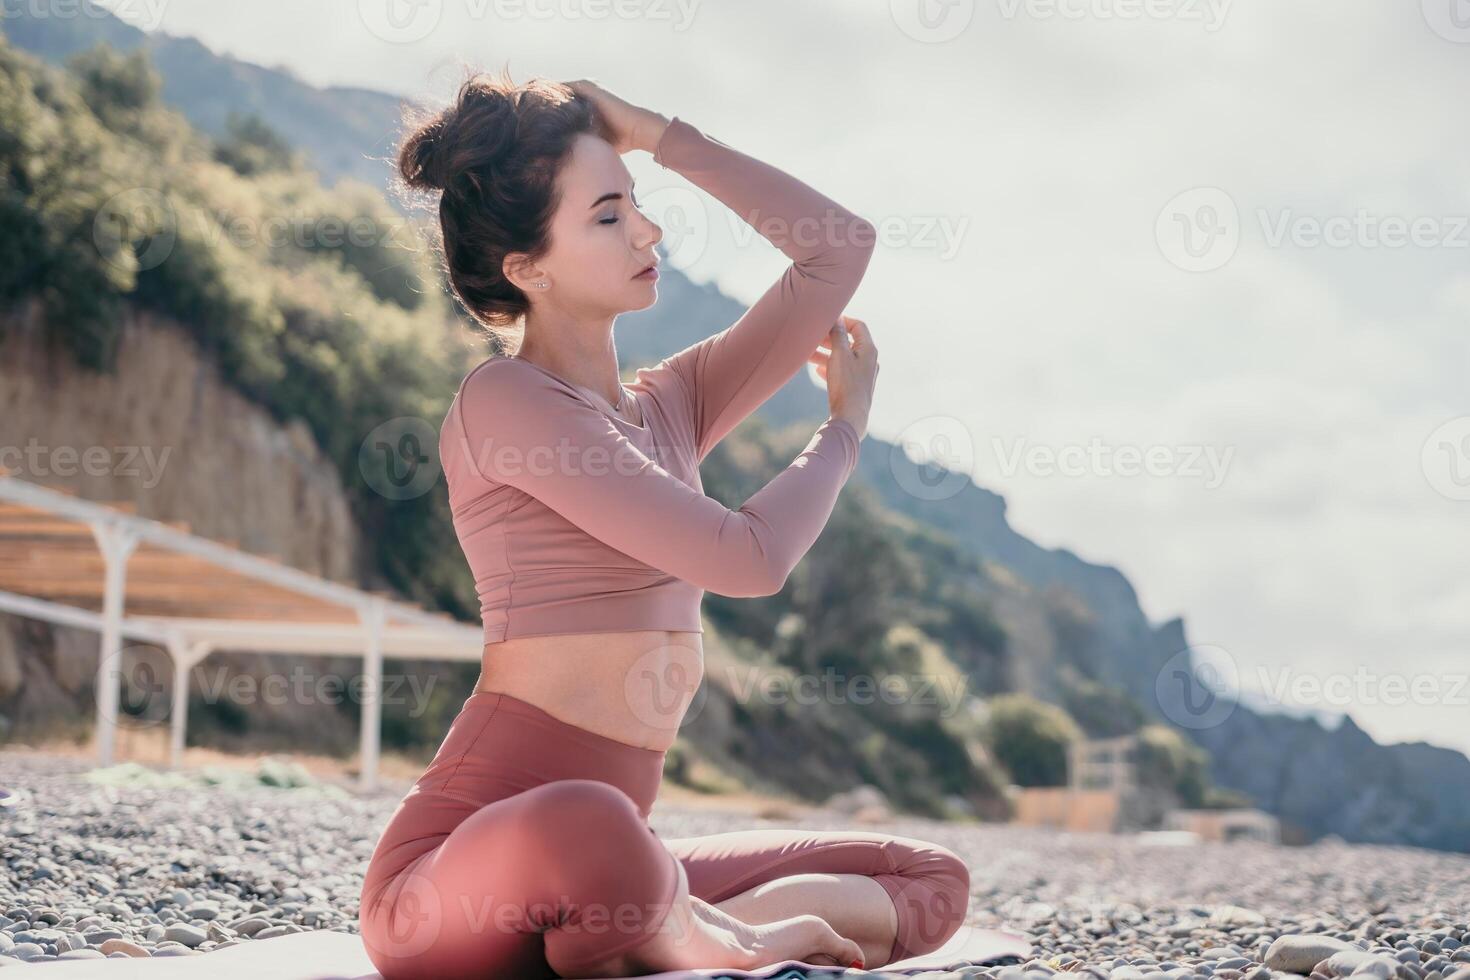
[927, 884]
[555, 878]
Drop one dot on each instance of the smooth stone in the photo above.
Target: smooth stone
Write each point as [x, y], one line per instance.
[1300, 954]
[81, 954]
[184, 934]
[250, 925]
[122, 946]
[1346, 961]
[1236, 915]
[1382, 967]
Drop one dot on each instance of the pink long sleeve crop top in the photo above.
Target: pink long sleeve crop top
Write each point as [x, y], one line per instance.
[574, 519]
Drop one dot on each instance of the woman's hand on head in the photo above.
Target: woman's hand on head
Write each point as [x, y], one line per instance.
[628, 127]
[848, 362]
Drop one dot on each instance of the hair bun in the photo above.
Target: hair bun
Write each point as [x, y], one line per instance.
[422, 160]
[475, 136]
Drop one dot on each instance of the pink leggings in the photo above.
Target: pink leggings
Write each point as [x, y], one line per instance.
[525, 848]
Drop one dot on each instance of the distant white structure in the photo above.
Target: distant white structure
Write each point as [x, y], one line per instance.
[191, 596]
[1103, 763]
[1236, 823]
[1104, 794]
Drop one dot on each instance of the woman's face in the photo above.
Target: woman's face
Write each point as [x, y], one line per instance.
[599, 239]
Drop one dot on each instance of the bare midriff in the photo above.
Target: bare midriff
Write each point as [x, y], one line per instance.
[632, 686]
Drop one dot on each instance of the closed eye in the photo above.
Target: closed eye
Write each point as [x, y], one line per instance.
[613, 219]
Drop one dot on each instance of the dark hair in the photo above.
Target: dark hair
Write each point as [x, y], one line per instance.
[493, 154]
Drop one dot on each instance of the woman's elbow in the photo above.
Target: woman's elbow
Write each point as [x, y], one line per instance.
[749, 580]
[863, 234]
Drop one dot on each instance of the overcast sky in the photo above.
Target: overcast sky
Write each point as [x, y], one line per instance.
[1227, 238]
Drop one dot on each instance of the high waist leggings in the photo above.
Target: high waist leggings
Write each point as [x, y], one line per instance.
[525, 848]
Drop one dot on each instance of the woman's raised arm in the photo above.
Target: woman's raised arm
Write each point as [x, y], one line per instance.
[727, 376]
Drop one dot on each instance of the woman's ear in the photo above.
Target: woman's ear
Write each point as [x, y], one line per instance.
[519, 270]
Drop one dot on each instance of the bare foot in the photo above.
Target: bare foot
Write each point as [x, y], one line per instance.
[696, 935]
[686, 939]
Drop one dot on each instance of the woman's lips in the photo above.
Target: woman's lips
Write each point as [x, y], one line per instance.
[649, 273]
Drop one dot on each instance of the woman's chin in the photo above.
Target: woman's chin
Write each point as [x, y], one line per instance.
[644, 298]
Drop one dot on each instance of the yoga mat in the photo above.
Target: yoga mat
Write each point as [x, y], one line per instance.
[329, 955]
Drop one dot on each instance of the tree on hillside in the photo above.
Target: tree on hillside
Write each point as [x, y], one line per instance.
[251, 146]
[112, 82]
[1030, 738]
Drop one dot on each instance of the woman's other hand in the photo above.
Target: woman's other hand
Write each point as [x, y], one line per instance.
[848, 362]
[625, 126]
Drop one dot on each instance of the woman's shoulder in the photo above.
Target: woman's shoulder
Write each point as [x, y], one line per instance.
[506, 375]
[507, 389]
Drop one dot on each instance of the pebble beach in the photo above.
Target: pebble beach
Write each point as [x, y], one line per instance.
[134, 862]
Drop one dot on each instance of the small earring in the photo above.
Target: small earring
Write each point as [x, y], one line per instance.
[541, 284]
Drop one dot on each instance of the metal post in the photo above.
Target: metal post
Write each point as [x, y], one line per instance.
[373, 617]
[116, 545]
[185, 657]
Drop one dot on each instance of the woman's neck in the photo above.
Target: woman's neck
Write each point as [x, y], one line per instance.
[594, 367]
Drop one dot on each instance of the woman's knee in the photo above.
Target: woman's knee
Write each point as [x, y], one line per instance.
[578, 825]
[932, 897]
[578, 805]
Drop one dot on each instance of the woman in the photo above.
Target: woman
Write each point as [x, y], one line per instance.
[524, 849]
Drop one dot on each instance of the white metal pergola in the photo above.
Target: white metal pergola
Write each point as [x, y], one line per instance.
[97, 566]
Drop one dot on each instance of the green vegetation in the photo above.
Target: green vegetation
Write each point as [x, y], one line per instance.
[316, 303]
[1030, 739]
[1101, 710]
[1168, 760]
